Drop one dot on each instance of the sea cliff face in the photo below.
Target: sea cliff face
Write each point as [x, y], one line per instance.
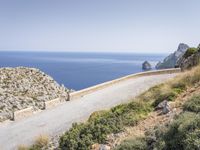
[22, 87]
[171, 60]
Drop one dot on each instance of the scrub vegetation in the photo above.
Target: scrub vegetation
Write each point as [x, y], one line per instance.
[183, 133]
[101, 124]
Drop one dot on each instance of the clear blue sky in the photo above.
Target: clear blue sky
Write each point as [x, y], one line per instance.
[99, 25]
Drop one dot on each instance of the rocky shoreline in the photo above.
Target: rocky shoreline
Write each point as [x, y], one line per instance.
[22, 87]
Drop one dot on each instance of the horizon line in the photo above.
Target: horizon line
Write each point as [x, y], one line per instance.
[77, 51]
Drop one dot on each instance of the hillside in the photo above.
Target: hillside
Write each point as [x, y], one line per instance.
[176, 130]
[107, 129]
[167, 131]
[22, 87]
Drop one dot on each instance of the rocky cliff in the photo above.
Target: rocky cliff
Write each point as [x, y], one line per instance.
[23, 87]
[190, 60]
[171, 60]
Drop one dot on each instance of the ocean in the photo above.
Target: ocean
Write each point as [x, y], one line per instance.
[77, 70]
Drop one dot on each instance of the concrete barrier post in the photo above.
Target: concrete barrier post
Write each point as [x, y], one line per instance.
[52, 103]
[20, 114]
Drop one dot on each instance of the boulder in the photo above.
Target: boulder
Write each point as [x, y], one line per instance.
[146, 66]
[164, 106]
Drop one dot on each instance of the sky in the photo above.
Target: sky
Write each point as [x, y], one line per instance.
[140, 26]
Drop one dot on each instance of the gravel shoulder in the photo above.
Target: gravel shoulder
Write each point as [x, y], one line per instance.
[57, 120]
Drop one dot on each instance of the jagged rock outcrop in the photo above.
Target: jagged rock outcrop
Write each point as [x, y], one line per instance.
[171, 60]
[22, 87]
[146, 66]
[188, 62]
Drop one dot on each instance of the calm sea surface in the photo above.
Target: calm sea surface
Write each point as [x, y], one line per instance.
[80, 70]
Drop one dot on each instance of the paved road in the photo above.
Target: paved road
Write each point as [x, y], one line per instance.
[57, 120]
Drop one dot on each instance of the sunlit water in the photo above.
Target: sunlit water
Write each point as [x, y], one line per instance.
[80, 70]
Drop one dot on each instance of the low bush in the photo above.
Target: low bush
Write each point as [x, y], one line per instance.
[41, 143]
[182, 131]
[190, 51]
[193, 104]
[133, 144]
[95, 130]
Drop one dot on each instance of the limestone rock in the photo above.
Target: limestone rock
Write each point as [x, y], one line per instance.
[171, 60]
[146, 66]
[23, 87]
[193, 60]
[164, 106]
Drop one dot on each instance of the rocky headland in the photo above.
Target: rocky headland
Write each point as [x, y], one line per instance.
[172, 60]
[23, 87]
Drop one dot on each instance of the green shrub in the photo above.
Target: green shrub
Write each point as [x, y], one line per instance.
[192, 140]
[133, 144]
[193, 104]
[182, 131]
[154, 136]
[189, 52]
[73, 139]
[182, 134]
[95, 130]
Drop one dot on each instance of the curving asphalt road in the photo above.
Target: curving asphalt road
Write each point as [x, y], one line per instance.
[57, 120]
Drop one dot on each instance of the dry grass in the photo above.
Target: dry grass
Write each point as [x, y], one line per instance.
[189, 77]
[22, 147]
[41, 142]
[171, 89]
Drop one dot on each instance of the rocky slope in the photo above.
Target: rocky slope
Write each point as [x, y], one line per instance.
[22, 87]
[187, 62]
[171, 60]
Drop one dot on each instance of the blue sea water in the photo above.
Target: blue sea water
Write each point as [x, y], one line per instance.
[78, 70]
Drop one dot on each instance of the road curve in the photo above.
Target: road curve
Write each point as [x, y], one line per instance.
[58, 119]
